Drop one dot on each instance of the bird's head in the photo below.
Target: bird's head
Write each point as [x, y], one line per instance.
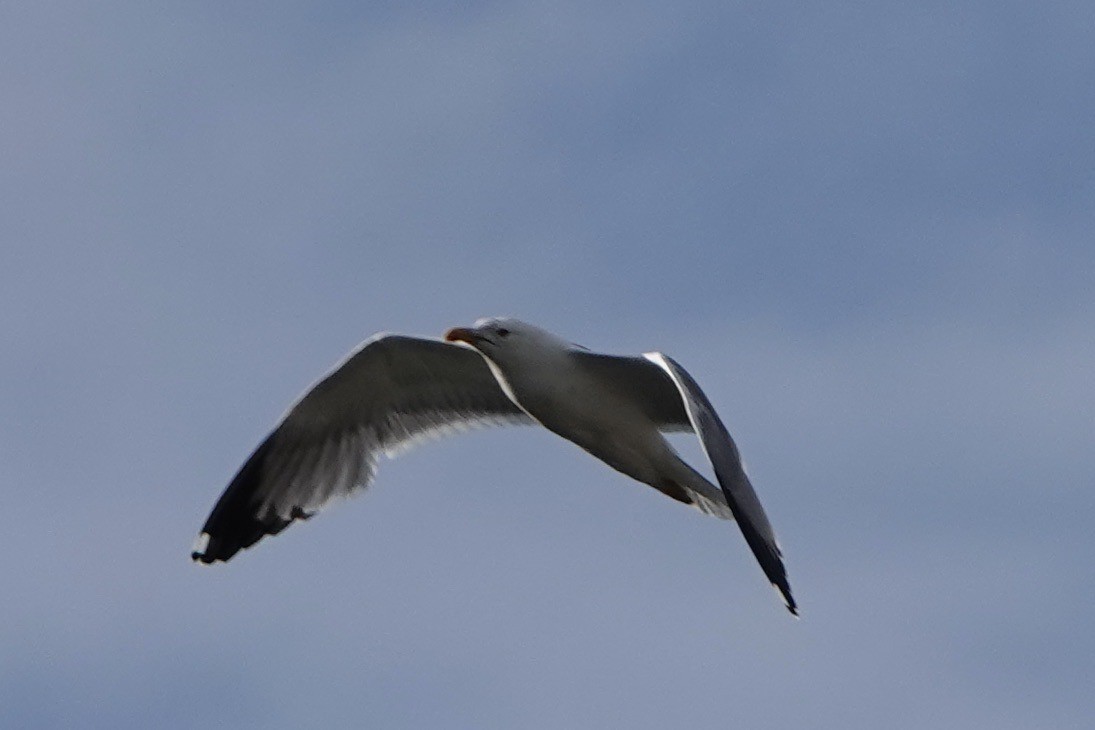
[505, 340]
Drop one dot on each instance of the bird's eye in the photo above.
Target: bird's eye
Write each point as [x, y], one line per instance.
[503, 332]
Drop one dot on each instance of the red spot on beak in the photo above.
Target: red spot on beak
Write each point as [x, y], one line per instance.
[460, 334]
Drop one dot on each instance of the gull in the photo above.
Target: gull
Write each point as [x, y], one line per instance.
[393, 391]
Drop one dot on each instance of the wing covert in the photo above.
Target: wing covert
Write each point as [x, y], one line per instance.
[643, 383]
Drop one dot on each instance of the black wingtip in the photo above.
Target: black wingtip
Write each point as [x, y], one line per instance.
[235, 522]
[202, 559]
[768, 556]
[766, 551]
[771, 562]
[227, 532]
[776, 572]
[789, 601]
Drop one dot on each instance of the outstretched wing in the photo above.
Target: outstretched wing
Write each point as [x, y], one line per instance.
[389, 393]
[726, 461]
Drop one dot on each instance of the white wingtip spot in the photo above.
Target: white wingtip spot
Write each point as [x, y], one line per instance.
[200, 546]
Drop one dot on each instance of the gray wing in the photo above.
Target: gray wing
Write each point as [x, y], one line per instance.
[388, 394]
[642, 382]
[726, 461]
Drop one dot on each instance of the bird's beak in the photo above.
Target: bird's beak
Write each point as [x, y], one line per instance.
[463, 334]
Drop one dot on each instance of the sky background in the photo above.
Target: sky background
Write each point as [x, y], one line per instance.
[865, 228]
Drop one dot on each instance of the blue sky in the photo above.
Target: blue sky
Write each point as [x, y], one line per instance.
[864, 228]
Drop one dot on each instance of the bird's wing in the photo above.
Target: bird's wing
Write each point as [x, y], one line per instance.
[641, 382]
[726, 461]
[386, 395]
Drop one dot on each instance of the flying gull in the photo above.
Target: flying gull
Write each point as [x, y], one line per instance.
[393, 391]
